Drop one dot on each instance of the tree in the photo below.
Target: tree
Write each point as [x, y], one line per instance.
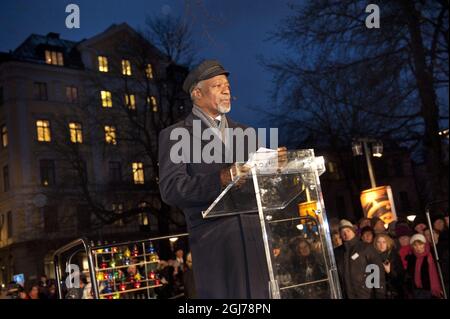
[344, 80]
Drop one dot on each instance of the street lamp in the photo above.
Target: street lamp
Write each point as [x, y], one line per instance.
[377, 151]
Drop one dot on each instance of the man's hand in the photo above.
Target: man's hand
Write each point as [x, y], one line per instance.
[282, 156]
[230, 174]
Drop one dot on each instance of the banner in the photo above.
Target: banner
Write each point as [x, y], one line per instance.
[379, 202]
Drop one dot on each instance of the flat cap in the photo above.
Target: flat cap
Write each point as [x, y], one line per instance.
[346, 224]
[205, 70]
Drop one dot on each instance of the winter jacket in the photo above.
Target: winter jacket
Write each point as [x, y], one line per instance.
[352, 259]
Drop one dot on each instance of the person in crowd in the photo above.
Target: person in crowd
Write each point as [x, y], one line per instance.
[438, 223]
[51, 290]
[352, 259]
[307, 265]
[364, 222]
[282, 262]
[179, 258]
[43, 287]
[33, 290]
[420, 224]
[441, 227]
[427, 234]
[367, 234]
[377, 225]
[392, 266]
[336, 239]
[403, 234]
[79, 292]
[422, 279]
[188, 279]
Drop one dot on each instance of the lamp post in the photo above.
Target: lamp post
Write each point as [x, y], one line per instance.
[377, 151]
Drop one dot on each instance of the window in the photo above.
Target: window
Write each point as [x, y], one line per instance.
[130, 101]
[40, 91]
[138, 173]
[118, 209]
[5, 178]
[72, 94]
[126, 67]
[54, 57]
[143, 217]
[151, 102]
[76, 133]
[4, 136]
[149, 71]
[50, 219]
[9, 224]
[43, 131]
[83, 218]
[47, 168]
[106, 98]
[102, 64]
[115, 172]
[110, 135]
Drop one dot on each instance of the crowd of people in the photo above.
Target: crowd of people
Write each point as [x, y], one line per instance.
[404, 254]
[35, 289]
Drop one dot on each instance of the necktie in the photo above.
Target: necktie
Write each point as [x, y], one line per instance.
[217, 122]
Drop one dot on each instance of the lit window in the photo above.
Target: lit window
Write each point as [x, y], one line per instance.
[102, 64]
[54, 57]
[126, 67]
[71, 94]
[110, 135]
[43, 131]
[151, 101]
[138, 173]
[76, 133]
[106, 98]
[143, 217]
[130, 101]
[4, 136]
[149, 71]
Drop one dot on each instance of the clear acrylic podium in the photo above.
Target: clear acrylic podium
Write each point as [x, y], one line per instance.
[294, 228]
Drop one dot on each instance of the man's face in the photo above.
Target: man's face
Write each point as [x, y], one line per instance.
[347, 234]
[179, 253]
[214, 95]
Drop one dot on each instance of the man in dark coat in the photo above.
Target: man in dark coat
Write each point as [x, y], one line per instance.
[352, 259]
[227, 252]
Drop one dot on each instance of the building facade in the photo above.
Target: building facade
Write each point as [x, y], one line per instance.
[79, 123]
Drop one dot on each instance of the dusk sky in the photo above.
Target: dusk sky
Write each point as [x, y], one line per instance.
[234, 32]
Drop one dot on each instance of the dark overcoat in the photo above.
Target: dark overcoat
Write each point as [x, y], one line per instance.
[227, 252]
